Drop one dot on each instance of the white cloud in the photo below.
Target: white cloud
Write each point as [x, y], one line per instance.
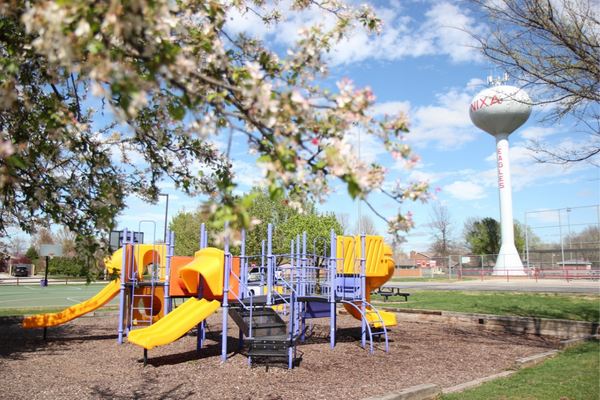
[536, 132]
[447, 123]
[587, 192]
[247, 174]
[431, 177]
[411, 34]
[390, 108]
[543, 216]
[527, 172]
[371, 148]
[444, 24]
[465, 190]
[406, 33]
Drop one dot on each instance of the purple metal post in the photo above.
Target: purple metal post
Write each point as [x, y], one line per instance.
[270, 266]
[224, 304]
[122, 299]
[332, 273]
[363, 284]
[243, 279]
[304, 283]
[262, 265]
[304, 262]
[243, 267]
[201, 325]
[170, 236]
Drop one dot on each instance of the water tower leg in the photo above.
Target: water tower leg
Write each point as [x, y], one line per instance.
[508, 258]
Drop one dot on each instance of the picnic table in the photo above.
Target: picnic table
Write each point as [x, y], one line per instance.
[387, 291]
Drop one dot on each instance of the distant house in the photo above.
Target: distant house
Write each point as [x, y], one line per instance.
[422, 260]
[574, 263]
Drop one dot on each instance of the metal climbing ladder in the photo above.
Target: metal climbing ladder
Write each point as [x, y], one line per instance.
[350, 288]
[375, 326]
[141, 304]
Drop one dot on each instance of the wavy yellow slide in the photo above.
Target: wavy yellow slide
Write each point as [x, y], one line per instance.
[46, 320]
[379, 269]
[209, 263]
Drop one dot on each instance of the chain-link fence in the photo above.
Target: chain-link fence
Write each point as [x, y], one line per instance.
[563, 238]
[561, 243]
[580, 263]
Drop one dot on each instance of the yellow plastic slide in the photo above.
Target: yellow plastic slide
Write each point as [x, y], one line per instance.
[209, 263]
[175, 324]
[379, 268]
[45, 320]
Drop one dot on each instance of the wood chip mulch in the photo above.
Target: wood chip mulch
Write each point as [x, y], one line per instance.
[82, 360]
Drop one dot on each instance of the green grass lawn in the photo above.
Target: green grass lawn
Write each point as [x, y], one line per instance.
[570, 306]
[571, 375]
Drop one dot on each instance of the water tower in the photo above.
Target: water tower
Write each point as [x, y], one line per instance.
[499, 111]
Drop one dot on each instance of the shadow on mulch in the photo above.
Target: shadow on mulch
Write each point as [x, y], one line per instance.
[208, 351]
[144, 393]
[17, 341]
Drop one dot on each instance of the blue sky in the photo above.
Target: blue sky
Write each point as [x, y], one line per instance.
[421, 64]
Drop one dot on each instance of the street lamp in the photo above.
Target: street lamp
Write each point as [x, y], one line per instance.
[166, 213]
[359, 198]
[569, 229]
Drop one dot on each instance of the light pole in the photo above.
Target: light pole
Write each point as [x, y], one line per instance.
[359, 198]
[569, 230]
[166, 214]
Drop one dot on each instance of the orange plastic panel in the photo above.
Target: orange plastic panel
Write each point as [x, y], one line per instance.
[234, 283]
[177, 286]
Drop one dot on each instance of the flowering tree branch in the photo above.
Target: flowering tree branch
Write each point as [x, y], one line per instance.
[173, 76]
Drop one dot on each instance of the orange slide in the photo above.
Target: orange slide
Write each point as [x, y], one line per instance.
[209, 263]
[46, 320]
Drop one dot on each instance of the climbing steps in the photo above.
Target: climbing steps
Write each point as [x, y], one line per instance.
[265, 331]
[373, 321]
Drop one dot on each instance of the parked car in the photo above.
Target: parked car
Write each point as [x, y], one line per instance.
[20, 271]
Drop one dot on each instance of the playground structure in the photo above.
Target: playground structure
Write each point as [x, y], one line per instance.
[295, 287]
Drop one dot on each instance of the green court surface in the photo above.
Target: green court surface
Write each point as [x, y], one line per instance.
[26, 296]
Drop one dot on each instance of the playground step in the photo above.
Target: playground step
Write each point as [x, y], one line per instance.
[257, 312]
[268, 325]
[264, 322]
[282, 340]
[261, 300]
[270, 346]
[256, 352]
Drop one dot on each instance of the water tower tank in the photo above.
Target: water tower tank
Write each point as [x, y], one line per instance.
[500, 109]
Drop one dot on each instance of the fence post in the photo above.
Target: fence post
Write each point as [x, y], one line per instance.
[567, 275]
[507, 273]
[482, 273]
[536, 275]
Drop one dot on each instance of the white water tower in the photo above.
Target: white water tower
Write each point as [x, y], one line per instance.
[499, 111]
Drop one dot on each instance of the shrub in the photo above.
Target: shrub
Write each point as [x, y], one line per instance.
[64, 266]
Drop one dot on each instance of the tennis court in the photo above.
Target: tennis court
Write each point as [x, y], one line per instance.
[35, 296]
